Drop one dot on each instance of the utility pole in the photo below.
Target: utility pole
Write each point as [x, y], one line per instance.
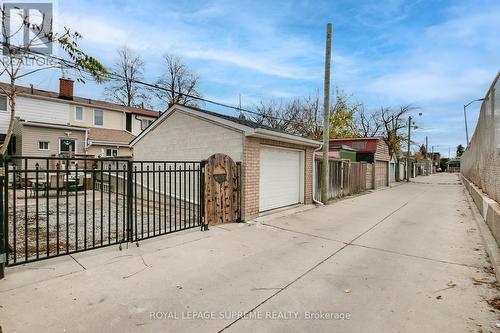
[408, 167]
[466, 130]
[426, 147]
[326, 117]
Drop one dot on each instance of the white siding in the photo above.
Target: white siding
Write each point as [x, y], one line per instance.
[136, 123]
[185, 137]
[34, 109]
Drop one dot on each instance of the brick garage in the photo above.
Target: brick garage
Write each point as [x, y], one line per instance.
[276, 167]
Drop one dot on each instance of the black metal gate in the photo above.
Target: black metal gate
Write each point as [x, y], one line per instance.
[57, 206]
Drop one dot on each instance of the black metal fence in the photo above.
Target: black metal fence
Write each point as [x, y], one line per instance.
[57, 206]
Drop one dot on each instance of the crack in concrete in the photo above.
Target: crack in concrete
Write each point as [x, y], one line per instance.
[302, 233]
[78, 262]
[415, 256]
[317, 264]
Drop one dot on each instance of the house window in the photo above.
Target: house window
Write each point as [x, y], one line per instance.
[3, 103]
[128, 122]
[98, 118]
[67, 145]
[43, 145]
[110, 152]
[79, 113]
[145, 123]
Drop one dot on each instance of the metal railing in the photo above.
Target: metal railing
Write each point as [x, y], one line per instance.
[57, 206]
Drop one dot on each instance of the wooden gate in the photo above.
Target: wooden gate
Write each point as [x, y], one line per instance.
[222, 190]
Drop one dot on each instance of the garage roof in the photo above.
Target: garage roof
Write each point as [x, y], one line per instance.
[362, 145]
[248, 127]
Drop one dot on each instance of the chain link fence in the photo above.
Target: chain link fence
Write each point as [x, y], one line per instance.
[481, 161]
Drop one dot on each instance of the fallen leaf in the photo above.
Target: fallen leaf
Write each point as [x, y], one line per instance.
[451, 284]
[478, 281]
[438, 297]
[347, 291]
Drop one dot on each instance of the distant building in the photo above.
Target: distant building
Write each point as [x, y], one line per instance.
[373, 150]
[454, 165]
[340, 152]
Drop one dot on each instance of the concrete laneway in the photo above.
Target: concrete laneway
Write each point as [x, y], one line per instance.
[404, 259]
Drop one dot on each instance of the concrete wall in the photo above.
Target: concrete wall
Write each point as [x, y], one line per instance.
[481, 161]
[251, 173]
[185, 137]
[488, 208]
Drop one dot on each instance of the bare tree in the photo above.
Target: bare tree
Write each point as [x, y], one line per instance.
[179, 83]
[16, 58]
[303, 116]
[124, 88]
[367, 124]
[394, 122]
[278, 115]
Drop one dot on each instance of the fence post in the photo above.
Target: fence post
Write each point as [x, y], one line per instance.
[130, 193]
[202, 195]
[3, 223]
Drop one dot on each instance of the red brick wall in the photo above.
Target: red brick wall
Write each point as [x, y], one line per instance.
[251, 173]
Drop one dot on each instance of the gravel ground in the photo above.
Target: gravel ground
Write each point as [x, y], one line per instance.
[72, 223]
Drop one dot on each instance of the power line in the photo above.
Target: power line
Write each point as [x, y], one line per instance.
[116, 76]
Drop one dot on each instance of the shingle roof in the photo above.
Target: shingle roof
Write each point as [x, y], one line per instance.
[239, 120]
[82, 100]
[111, 135]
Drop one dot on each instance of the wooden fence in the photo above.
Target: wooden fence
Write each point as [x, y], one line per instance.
[346, 178]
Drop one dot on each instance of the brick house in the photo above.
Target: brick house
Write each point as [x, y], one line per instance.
[373, 150]
[276, 167]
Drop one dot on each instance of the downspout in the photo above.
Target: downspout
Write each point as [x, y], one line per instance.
[86, 145]
[314, 175]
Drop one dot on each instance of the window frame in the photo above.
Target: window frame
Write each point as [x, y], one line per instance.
[6, 103]
[149, 122]
[75, 143]
[102, 113]
[83, 113]
[112, 150]
[44, 149]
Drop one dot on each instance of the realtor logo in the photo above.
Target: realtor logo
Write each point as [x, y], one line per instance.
[27, 25]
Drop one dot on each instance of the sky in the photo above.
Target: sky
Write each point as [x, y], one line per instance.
[436, 55]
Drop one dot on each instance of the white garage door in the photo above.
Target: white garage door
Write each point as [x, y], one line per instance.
[280, 177]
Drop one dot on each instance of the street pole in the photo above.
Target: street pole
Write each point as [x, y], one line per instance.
[426, 147]
[466, 130]
[326, 117]
[408, 168]
[465, 119]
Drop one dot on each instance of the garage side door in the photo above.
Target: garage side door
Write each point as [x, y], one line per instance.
[280, 177]
[380, 174]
